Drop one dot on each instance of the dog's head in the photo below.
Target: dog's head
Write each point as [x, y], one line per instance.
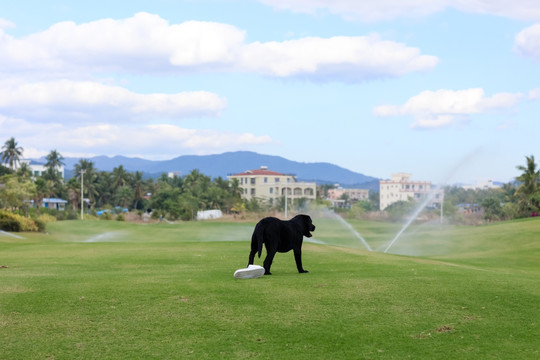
[306, 224]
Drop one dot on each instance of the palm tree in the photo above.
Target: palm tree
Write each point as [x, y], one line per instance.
[53, 164]
[24, 171]
[54, 161]
[74, 192]
[104, 188]
[43, 189]
[527, 192]
[11, 153]
[120, 177]
[138, 188]
[236, 190]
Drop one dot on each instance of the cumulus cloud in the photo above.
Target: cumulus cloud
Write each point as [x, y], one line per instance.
[527, 42]
[144, 42]
[534, 94]
[442, 108]
[156, 141]
[86, 100]
[346, 58]
[6, 24]
[367, 10]
[147, 43]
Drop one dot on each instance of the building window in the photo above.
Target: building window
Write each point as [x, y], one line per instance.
[277, 180]
[265, 180]
[271, 190]
[252, 191]
[252, 181]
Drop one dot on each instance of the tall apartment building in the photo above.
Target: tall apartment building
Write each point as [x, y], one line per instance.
[401, 188]
[268, 185]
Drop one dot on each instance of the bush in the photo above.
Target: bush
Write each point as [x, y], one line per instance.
[23, 223]
[120, 217]
[10, 225]
[46, 218]
[71, 215]
[106, 216]
[40, 225]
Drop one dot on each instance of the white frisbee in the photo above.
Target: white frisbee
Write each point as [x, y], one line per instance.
[251, 272]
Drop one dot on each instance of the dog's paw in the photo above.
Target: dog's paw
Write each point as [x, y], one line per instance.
[268, 273]
[303, 271]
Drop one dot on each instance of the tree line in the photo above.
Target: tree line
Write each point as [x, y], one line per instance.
[174, 197]
[181, 197]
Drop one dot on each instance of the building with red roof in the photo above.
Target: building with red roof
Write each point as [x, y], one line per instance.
[268, 185]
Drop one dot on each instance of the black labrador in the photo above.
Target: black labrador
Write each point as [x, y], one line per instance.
[280, 236]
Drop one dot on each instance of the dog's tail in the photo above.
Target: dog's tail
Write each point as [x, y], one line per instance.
[259, 237]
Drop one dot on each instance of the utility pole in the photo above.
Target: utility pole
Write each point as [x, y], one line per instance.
[82, 194]
[286, 191]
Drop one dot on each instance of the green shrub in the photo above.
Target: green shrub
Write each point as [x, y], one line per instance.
[106, 216]
[120, 217]
[71, 215]
[40, 225]
[23, 223]
[46, 218]
[10, 225]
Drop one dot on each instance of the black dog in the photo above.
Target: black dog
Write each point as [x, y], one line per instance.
[280, 236]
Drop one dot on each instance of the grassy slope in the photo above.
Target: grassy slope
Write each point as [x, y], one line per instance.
[98, 290]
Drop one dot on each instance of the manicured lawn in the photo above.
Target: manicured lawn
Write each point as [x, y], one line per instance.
[113, 290]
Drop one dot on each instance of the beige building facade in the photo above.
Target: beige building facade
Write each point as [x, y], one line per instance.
[268, 185]
[352, 194]
[401, 188]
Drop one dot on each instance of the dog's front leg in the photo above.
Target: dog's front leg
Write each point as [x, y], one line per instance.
[298, 259]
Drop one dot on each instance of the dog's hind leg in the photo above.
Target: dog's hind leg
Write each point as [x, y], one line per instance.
[268, 261]
[254, 249]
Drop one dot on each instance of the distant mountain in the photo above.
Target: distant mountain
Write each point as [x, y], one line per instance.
[231, 163]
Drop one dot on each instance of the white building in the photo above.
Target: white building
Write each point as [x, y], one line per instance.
[268, 185]
[37, 168]
[482, 185]
[401, 188]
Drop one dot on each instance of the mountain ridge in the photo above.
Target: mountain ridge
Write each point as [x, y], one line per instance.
[228, 163]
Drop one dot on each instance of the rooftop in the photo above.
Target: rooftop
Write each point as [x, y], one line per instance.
[262, 171]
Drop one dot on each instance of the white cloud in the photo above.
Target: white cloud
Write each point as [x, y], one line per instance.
[6, 24]
[527, 42]
[91, 101]
[368, 10]
[346, 58]
[534, 94]
[442, 108]
[154, 141]
[147, 43]
[364, 10]
[144, 42]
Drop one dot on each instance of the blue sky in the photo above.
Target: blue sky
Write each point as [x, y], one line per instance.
[449, 91]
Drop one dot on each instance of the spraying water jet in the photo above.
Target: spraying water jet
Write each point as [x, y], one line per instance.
[352, 230]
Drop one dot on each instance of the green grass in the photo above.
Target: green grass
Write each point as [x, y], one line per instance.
[113, 290]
